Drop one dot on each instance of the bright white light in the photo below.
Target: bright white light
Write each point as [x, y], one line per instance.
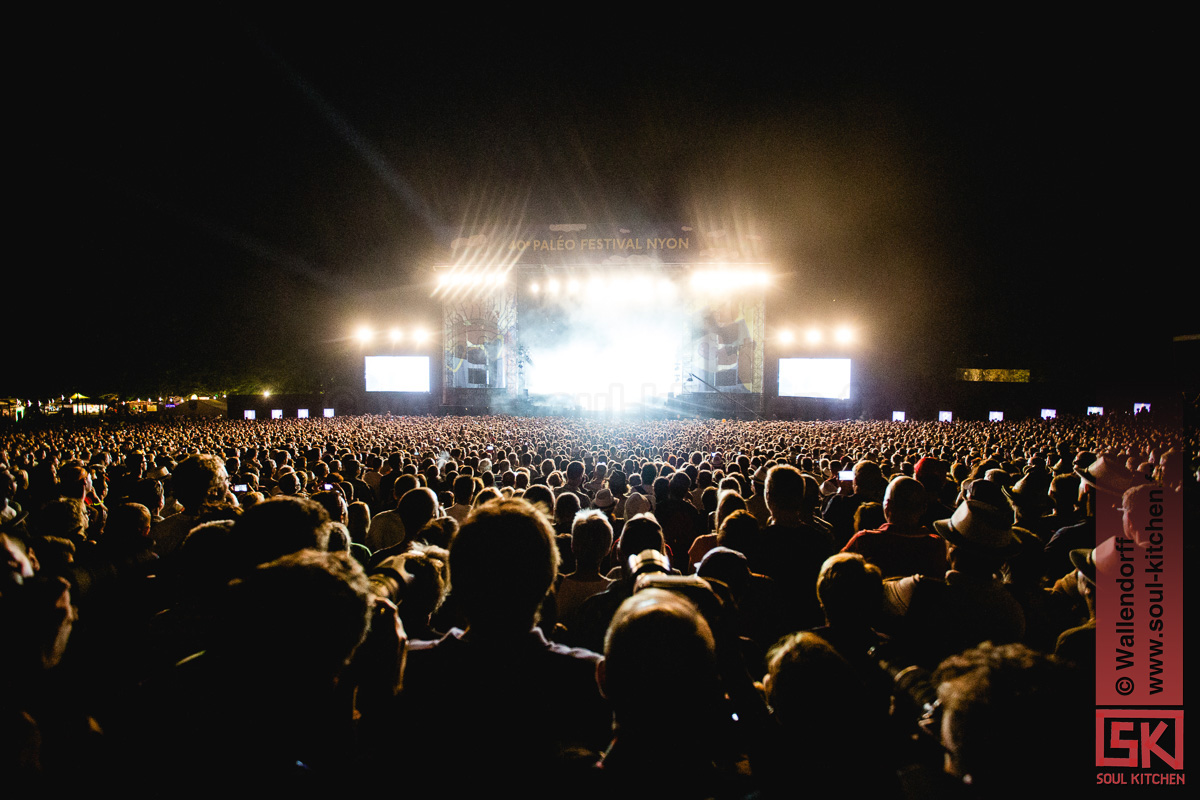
[552, 286]
[843, 335]
[421, 335]
[534, 288]
[897, 416]
[945, 416]
[572, 286]
[787, 337]
[726, 280]
[599, 372]
[813, 336]
[995, 416]
[1049, 413]
[364, 334]
[396, 335]
[266, 392]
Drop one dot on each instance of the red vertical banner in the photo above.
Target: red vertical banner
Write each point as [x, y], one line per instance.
[1139, 625]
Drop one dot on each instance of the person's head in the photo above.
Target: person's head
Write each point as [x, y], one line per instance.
[591, 538]
[464, 488]
[680, 485]
[334, 504]
[850, 590]
[425, 573]
[128, 528]
[199, 479]
[416, 508]
[641, 532]
[868, 516]
[979, 533]
[1064, 492]
[999, 703]
[785, 491]
[728, 501]
[566, 506]
[328, 611]
[738, 531]
[74, 481]
[280, 526]
[1138, 516]
[904, 501]
[502, 563]
[658, 638]
[808, 684]
[289, 484]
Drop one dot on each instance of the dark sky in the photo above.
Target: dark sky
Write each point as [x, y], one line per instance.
[227, 198]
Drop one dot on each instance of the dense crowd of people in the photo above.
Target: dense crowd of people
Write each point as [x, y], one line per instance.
[566, 607]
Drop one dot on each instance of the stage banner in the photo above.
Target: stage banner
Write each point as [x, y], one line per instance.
[479, 341]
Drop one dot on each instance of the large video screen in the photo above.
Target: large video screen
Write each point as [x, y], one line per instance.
[815, 377]
[397, 373]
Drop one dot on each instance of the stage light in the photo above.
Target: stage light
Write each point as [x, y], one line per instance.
[843, 335]
[534, 288]
[420, 335]
[266, 392]
[552, 286]
[364, 335]
[572, 286]
[667, 287]
[395, 335]
[726, 280]
[813, 336]
[787, 337]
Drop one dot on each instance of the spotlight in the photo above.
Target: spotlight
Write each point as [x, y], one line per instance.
[420, 335]
[844, 335]
[552, 286]
[813, 336]
[534, 288]
[396, 335]
[266, 392]
[786, 337]
[572, 286]
[364, 334]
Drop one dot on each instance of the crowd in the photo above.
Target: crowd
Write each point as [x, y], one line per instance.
[559, 607]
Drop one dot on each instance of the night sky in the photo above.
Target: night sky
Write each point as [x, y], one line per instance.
[217, 203]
